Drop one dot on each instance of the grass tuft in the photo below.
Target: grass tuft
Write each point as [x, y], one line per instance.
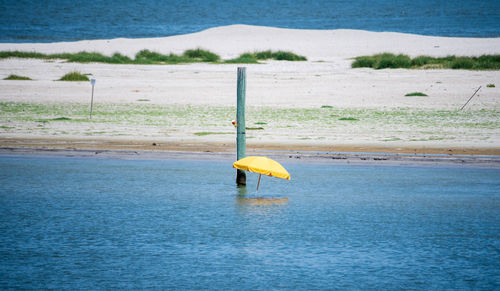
[253, 58]
[388, 60]
[393, 62]
[490, 86]
[203, 133]
[74, 77]
[287, 56]
[22, 55]
[416, 94]
[149, 57]
[246, 58]
[16, 77]
[85, 57]
[348, 119]
[254, 128]
[364, 62]
[201, 55]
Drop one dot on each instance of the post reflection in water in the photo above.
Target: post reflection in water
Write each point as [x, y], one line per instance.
[242, 199]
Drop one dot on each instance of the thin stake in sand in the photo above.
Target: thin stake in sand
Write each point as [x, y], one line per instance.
[470, 98]
[92, 82]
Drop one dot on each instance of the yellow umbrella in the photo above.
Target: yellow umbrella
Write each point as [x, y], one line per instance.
[262, 165]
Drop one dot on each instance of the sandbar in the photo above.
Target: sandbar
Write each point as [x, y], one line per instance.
[288, 101]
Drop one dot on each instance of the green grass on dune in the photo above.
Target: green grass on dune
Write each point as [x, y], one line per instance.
[74, 76]
[24, 55]
[146, 57]
[279, 56]
[379, 61]
[142, 57]
[16, 77]
[85, 57]
[201, 56]
[254, 58]
[246, 58]
[416, 94]
[391, 61]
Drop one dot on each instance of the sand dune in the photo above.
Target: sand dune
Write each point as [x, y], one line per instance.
[230, 41]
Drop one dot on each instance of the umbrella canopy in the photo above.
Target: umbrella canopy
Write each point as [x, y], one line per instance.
[262, 165]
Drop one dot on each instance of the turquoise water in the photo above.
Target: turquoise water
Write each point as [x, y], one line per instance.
[88, 223]
[62, 20]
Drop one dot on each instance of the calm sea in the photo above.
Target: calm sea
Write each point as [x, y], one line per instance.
[64, 20]
[88, 223]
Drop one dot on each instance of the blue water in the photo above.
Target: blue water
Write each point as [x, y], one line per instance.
[85, 223]
[65, 20]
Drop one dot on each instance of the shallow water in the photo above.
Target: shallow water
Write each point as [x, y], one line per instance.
[84, 223]
[62, 20]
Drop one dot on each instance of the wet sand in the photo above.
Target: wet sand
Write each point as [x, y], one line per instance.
[145, 150]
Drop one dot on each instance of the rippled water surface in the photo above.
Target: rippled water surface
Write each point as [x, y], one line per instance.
[63, 20]
[84, 223]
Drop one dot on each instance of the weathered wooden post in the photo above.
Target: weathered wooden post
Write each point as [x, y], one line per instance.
[241, 147]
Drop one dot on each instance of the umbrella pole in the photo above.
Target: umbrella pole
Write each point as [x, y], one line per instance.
[258, 182]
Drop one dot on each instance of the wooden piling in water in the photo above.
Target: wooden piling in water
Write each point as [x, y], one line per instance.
[241, 178]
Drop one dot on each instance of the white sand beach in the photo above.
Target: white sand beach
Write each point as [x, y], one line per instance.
[325, 79]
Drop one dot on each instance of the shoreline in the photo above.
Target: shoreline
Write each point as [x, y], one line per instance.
[354, 155]
[223, 146]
